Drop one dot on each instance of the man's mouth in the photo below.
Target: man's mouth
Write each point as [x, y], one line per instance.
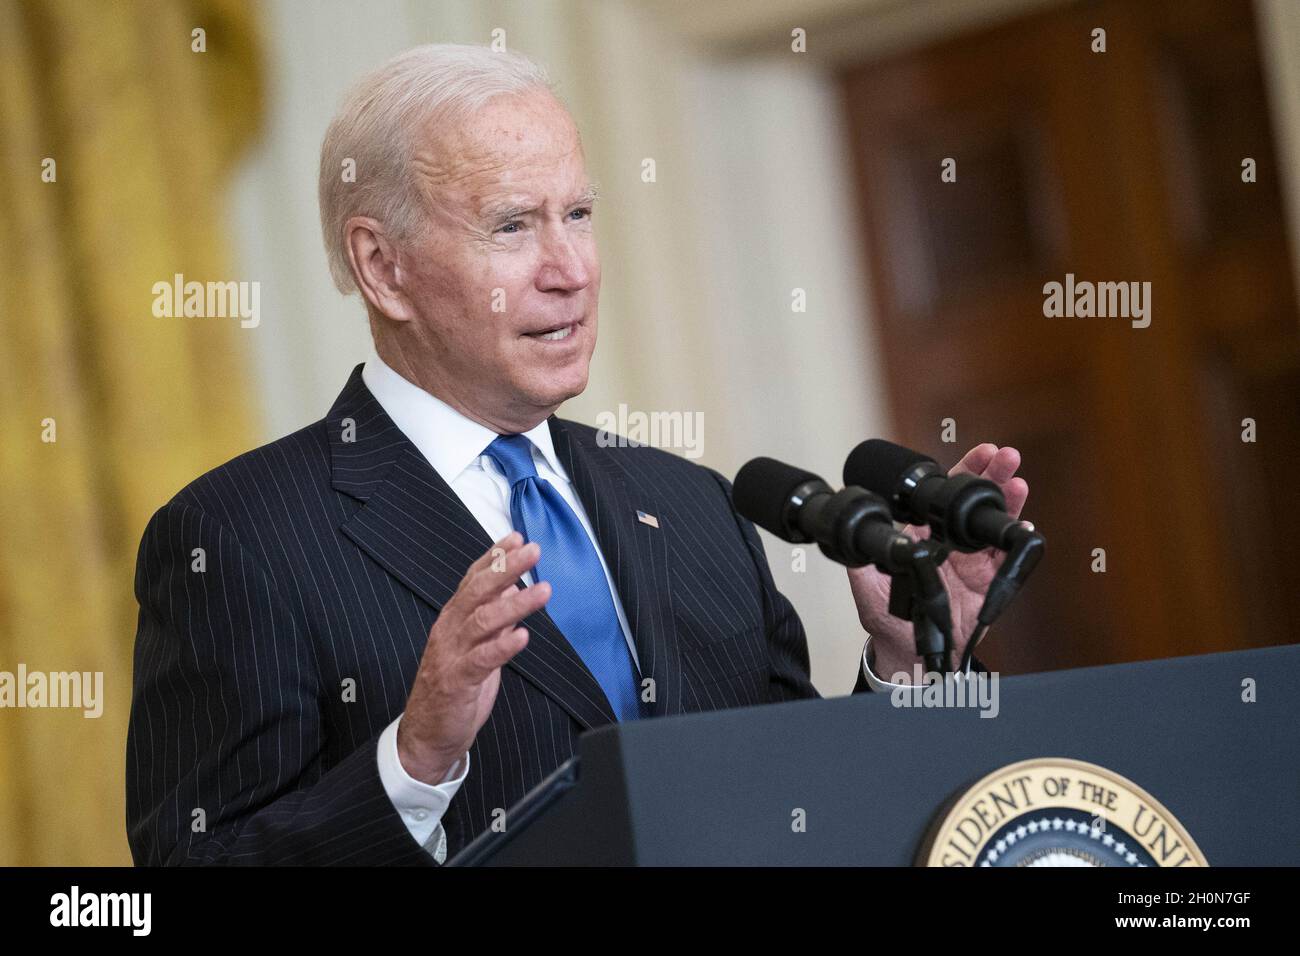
[554, 334]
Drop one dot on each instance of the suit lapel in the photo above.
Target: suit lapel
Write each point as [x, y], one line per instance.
[419, 531]
[636, 553]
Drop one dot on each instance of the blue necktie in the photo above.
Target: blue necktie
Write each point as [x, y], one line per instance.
[580, 603]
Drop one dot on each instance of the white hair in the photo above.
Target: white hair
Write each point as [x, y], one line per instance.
[437, 85]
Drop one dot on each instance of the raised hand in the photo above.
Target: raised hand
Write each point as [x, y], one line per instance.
[476, 632]
[966, 576]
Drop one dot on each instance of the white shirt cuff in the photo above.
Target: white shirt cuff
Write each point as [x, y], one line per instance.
[419, 804]
[874, 682]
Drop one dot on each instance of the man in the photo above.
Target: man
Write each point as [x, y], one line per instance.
[334, 661]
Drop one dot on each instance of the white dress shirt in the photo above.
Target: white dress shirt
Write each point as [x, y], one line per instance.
[453, 444]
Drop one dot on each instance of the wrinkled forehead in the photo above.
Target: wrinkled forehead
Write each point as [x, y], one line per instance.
[515, 138]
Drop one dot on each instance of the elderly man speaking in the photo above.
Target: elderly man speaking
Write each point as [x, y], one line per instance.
[335, 663]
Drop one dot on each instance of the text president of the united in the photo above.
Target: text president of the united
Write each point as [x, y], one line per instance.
[334, 662]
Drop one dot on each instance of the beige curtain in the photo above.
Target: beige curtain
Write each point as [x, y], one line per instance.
[142, 131]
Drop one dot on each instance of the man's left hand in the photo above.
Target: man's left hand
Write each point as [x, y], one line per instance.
[966, 576]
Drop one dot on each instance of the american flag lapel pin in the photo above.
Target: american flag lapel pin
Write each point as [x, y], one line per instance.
[649, 519]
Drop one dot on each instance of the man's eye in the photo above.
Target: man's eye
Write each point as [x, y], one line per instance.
[508, 226]
[586, 212]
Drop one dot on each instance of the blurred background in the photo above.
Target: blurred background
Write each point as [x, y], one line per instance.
[797, 147]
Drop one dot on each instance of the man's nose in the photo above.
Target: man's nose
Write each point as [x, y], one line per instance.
[564, 264]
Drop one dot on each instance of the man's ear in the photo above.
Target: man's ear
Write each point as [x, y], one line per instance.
[373, 257]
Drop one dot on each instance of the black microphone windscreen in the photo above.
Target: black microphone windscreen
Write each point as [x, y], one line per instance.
[877, 464]
[763, 487]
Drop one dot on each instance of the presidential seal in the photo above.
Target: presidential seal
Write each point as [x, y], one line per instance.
[1054, 811]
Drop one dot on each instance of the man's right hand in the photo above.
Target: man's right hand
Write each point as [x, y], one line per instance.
[475, 634]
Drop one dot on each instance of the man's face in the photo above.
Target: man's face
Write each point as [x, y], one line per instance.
[509, 254]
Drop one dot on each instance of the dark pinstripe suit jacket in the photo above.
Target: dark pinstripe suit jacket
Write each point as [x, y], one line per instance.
[268, 662]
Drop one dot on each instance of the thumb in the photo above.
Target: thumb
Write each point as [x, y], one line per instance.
[919, 533]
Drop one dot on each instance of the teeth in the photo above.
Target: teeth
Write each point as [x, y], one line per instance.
[557, 334]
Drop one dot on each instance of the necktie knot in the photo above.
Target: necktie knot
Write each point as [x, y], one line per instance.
[513, 454]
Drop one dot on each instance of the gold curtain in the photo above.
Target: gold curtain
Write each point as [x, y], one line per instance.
[143, 132]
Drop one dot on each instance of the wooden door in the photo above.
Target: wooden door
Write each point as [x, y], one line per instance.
[1122, 166]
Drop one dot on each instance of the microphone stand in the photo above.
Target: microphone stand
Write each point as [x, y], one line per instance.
[917, 594]
[852, 527]
[1024, 549]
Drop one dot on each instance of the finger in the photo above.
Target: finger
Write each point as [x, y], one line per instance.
[915, 533]
[509, 543]
[485, 582]
[511, 607]
[975, 461]
[512, 540]
[1002, 466]
[494, 653]
[1015, 491]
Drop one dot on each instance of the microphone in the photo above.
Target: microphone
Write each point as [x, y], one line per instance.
[851, 527]
[967, 512]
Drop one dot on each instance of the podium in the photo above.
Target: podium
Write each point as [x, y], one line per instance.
[859, 780]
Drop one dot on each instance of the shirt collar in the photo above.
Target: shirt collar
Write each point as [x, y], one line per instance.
[449, 440]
